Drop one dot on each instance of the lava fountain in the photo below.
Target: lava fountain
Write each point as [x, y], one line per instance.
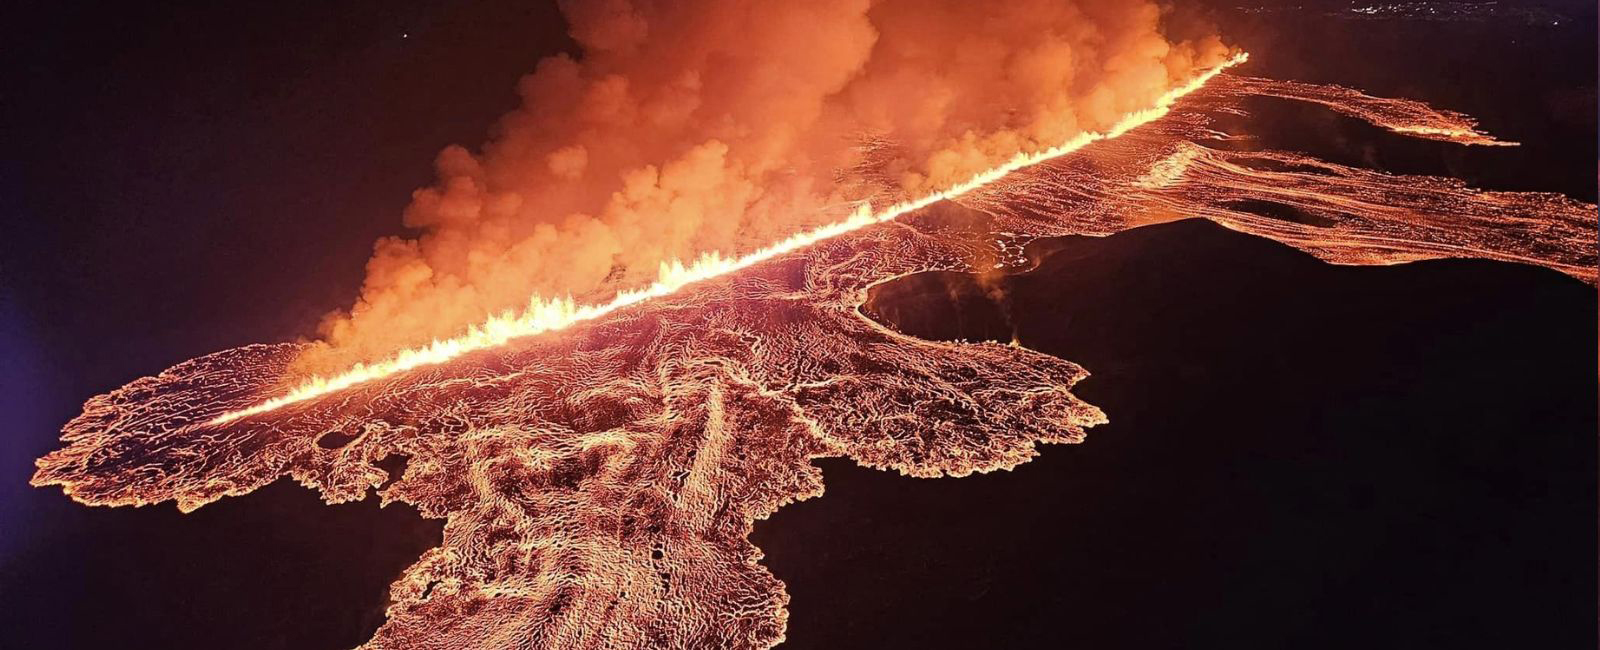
[543, 315]
[599, 467]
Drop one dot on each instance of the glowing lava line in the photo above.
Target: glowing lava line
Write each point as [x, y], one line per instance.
[546, 315]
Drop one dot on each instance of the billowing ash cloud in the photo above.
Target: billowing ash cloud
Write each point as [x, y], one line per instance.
[687, 127]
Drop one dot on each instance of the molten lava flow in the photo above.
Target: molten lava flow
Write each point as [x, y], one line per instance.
[543, 315]
[1341, 214]
[599, 481]
[1402, 116]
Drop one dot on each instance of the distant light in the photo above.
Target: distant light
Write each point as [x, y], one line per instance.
[405, 35]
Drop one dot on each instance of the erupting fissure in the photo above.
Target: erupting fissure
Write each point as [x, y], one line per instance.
[599, 484]
[544, 315]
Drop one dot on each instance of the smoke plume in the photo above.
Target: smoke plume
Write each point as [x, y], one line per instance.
[688, 127]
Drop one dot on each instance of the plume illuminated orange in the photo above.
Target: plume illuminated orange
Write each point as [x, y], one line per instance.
[544, 315]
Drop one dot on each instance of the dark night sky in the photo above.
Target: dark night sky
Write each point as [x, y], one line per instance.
[185, 177]
[193, 177]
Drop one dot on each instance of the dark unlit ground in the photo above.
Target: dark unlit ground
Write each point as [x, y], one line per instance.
[1299, 455]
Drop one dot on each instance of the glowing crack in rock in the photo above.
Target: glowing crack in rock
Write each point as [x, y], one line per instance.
[598, 481]
[543, 315]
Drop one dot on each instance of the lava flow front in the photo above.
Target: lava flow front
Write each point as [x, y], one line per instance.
[599, 479]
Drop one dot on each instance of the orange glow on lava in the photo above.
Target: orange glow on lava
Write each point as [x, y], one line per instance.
[599, 484]
[547, 314]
